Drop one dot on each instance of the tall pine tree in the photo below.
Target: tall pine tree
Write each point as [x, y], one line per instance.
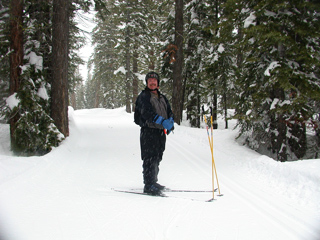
[284, 58]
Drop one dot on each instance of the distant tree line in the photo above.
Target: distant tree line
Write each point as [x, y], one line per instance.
[259, 58]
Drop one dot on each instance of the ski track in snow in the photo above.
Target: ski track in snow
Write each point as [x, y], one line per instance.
[67, 194]
[259, 202]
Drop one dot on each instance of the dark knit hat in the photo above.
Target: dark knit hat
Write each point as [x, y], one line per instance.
[152, 75]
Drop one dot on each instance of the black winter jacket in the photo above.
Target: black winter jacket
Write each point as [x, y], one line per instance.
[148, 106]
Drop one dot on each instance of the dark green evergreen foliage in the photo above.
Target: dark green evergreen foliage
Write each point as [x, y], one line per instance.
[76, 41]
[208, 64]
[35, 132]
[4, 52]
[259, 57]
[166, 36]
[206, 43]
[126, 46]
[195, 51]
[282, 63]
[266, 70]
[105, 89]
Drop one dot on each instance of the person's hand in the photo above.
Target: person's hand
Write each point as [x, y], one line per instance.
[167, 124]
[171, 120]
[158, 119]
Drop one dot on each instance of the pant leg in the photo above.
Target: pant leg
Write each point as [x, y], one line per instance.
[152, 143]
[150, 171]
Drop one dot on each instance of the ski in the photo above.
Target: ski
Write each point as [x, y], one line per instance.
[132, 191]
[179, 190]
[190, 191]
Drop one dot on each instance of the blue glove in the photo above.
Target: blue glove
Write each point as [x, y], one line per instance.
[171, 120]
[167, 124]
[158, 119]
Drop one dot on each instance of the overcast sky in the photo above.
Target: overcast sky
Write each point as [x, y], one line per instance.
[85, 22]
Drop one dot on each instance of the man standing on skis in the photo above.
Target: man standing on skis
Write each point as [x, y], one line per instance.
[154, 115]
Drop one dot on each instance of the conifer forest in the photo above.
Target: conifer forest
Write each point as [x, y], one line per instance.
[256, 61]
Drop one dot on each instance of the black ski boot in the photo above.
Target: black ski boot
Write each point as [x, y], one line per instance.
[152, 190]
[159, 186]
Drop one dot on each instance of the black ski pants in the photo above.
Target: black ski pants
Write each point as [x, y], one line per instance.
[152, 144]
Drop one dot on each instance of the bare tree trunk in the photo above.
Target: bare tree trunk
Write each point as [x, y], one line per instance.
[16, 58]
[128, 98]
[59, 86]
[225, 102]
[214, 113]
[128, 102]
[97, 93]
[135, 79]
[225, 110]
[73, 100]
[298, 141]
[279, 129]
[151, 63]
[178, 64]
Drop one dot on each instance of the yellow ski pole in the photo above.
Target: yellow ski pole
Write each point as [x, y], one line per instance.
[211, 146]
[213, 162]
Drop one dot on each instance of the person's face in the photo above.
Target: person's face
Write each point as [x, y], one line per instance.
[153, 83]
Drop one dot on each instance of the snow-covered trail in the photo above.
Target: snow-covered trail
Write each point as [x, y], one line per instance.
[68, 194]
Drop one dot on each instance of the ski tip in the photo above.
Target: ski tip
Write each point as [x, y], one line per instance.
[210, 200]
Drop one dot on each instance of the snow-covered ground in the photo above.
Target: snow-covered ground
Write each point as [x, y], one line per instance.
[67, 194]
